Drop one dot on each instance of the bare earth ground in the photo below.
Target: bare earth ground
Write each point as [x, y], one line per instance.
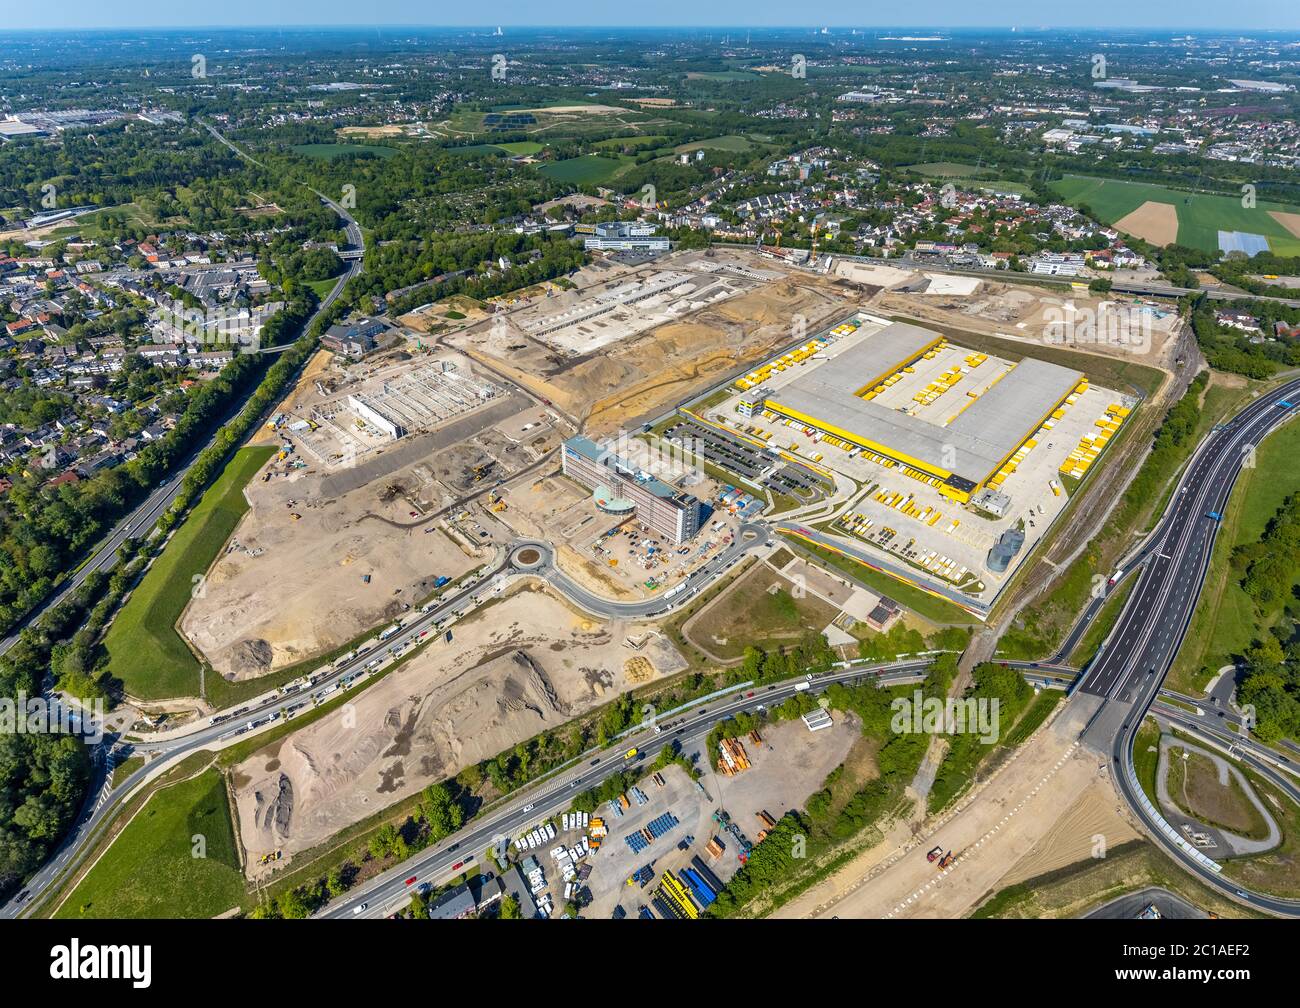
[1153, 222]
[1038, 319]
[636, 377]
[998, 825]
[1089, 827]
[304, 594]
[515, 668]
[302, 389]
[1290, 221]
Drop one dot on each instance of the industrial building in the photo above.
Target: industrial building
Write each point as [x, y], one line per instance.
[376, 417]
[958, 456]
[623, 236]
[619, 488]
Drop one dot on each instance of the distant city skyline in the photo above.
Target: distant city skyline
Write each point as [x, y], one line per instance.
[1191, 15]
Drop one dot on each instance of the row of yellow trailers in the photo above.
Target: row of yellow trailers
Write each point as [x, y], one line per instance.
[1092, 445]
[1021, 453]
[786, 360]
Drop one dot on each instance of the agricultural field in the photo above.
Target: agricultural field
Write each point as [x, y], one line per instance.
[144, 650]
[1162, 215]
[328, 152]
[152, 870]
[952, 170]
[589, 169]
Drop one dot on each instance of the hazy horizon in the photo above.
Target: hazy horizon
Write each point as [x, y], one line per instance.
[1157, 15]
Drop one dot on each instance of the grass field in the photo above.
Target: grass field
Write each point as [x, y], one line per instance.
[737, 144]
[1225, 622]
[322, 287]
[749, 614]
[590, 169]
[144, 649]
[618, 143]
[993, 185]
[1146, 757]
[520, 148]
[151, 869]
[952, 170]
[1074, 890]
[337, 150]
[1193, 784]
[723, 75]
[1200, 216]
[936, 610]
[1277, 872]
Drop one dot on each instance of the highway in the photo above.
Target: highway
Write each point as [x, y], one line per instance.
[1140, 288]
[1123, 681]
[141, 520]
[523, 558]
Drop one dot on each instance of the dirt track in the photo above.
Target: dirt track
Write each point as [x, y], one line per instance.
[993, 830]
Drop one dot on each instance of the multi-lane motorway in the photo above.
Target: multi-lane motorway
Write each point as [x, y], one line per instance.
[1123, 680]
[142, 519]
[523, 558]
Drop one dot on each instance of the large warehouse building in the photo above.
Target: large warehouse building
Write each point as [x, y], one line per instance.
[959, 456]
[618, 486]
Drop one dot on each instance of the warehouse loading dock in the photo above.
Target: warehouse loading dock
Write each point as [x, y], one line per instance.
[959, 456]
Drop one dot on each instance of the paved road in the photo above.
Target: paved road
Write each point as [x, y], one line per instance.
[384, 893]
[1124, 679]
[371, 656]
[1154, 289]
[141, 520]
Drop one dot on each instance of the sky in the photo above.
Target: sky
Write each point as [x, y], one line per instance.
[1176, 14]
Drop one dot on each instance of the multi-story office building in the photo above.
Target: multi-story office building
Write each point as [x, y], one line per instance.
[620, 488]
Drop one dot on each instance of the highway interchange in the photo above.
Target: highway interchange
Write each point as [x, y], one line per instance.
[1122, 682]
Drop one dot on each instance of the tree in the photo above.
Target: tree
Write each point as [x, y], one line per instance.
[510, 908]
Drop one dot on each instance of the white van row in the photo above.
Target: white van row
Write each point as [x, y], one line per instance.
[536, 837]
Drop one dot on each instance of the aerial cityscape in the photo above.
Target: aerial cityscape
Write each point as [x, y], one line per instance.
[666, 472]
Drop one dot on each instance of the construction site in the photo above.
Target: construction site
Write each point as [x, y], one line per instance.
[515, 667]
[343, 535]
[629, 342]
[361, 409]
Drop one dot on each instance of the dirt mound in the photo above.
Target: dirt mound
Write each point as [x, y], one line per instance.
[529, 665]
[251, 657]
[274, 809]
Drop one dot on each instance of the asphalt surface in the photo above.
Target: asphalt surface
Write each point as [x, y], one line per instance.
[1125, 677]
[417, 628]
[381, 895]
[141, 520]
